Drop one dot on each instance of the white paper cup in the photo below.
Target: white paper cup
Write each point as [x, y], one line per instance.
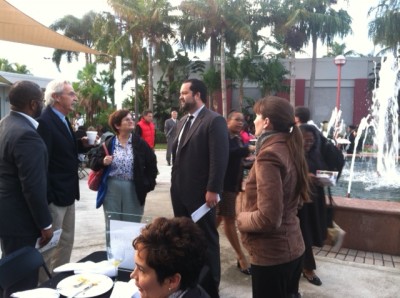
[91, 135]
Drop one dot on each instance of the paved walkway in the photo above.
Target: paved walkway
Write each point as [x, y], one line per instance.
[359, 256]
[346, 273]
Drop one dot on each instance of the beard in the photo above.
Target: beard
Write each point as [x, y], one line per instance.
[188, 106]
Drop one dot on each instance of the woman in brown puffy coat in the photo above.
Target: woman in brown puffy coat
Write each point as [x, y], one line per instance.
[277, 186]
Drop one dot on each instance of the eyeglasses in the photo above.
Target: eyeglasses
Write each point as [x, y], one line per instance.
[71, 93]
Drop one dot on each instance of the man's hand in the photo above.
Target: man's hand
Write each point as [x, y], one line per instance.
[211, 199]
[85, 142]
[46, 237]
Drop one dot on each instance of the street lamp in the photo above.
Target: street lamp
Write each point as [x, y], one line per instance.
[340, 60]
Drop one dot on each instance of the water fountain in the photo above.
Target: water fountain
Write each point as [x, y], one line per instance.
[374, 175]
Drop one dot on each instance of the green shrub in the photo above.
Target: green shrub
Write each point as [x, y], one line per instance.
[160, 137]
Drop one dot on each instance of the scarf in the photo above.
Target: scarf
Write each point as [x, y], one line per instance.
[262, 138]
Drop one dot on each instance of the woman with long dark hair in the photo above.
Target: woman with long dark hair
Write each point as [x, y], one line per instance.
[276, 188]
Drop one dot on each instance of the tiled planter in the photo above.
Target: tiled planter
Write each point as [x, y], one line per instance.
[370, 225]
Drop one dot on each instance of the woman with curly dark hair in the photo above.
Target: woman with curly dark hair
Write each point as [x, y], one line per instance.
[169, 256]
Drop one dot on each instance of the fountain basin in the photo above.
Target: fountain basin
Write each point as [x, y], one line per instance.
[367, 183]
[370, 225]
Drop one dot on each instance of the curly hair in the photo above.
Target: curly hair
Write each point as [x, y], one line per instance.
[175, 245]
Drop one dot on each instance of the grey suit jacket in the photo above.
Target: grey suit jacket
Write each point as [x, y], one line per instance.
[23, 182]
[200, 166]
[170, 128]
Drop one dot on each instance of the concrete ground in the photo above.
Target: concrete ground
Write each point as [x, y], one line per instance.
[340, 277]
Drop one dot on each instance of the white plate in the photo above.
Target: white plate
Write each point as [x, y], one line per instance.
[102, 284]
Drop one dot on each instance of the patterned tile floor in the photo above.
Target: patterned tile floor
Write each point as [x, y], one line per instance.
[358, 256]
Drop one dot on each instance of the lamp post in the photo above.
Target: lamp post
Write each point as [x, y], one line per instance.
[340, 60]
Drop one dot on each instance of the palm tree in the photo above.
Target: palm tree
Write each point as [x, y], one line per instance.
[336, 49]
[146, 20]
[212, 21]
[109, 37]
[243, 68]
[271, 74]
[79, 30]
[384, 29]
[319, 22]
[212, 79]
[92, 95]
[5, 65]
[21, 68]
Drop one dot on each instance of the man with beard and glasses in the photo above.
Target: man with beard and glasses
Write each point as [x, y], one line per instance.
[200, 157]
[24, 214]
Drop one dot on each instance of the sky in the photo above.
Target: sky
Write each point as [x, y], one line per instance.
[38, 59]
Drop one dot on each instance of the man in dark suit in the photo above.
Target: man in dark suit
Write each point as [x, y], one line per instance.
[199, 163]
[63, 180]
[24, 214]
[170, 133]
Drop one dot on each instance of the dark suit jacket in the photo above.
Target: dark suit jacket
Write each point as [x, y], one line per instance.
[63, 180]
[23, 164]
[200, 166]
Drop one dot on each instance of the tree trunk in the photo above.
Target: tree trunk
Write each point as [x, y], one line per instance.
[213, 49]
[312, 77]
[241, 94]
[223, 81]
[292, 64]
[150, 77]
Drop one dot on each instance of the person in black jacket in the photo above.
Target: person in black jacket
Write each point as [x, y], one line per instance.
[130, 169]
[312, 215]
[24, 213]
[63, 180]
[232, 185]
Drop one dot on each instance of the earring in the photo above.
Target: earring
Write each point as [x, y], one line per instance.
[169, 289]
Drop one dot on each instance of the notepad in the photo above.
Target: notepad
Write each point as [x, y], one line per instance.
[201, 211]
[52, 243]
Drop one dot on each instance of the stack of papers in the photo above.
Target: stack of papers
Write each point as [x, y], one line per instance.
[202, 210]
[103, 267]
[37, 293]
[125, 290]
[327, 178]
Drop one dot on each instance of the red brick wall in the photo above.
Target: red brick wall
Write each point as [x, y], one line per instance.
[362, 100]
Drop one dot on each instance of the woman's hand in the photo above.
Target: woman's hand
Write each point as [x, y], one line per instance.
[107, 160]
[314, 180]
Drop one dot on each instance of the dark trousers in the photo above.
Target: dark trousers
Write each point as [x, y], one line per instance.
[11, 244]
[278, 281]
[309, 260]
[208, 224]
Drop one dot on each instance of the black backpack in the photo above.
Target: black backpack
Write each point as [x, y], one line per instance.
[333, 157]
